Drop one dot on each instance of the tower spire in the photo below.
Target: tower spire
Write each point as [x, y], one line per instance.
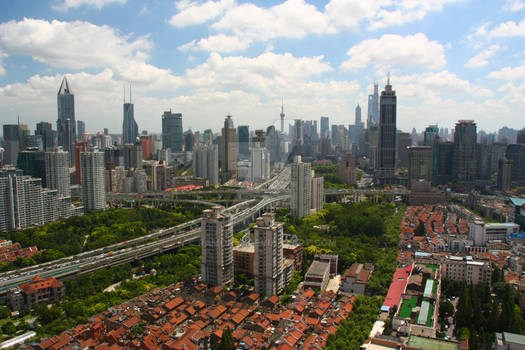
[129, 92]
[388, 78]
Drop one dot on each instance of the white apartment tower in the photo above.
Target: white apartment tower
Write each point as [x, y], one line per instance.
[206, 162]
[317, 193]
[57, 172]
[92, 168]
[268, 260]
[217, 247]
[260, 164]
[301, 188]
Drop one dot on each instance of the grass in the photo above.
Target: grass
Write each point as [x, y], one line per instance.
[406, 308]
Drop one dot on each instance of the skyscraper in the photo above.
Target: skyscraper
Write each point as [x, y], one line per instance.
[172, 131]
[260, 163]
[217, 247]
[504, 174]
[243, 135]
[325, 127]
[81, 129]
[79, 148]
[57, 172]
[387, 134]
[301, 188]
[12, 144]
[229, 149]
[268, 261]
[32, 162]
[520, 138]
[420, 164]
[206, 162]
[317, 190]
[130, 129]
[357, 115]
[92, 169]
[272, 143]
[403, 142]
[66, 124]
[465, 145]
[373, 108]
[430, 134]
[516, 153]
[48, 135]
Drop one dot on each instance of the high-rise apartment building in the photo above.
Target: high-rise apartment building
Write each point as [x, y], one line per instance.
[130, 129]
[92, 170]
[268, 261]
[243, 137]
[301, 188]
[217, 247]
[325, 128]
[260, 164]
[387, 135]
[420, 164]
[172, 131]
[373, 108]
[465, 145]
[133, 155]
[317, 189]
[229, 149]
[57, 171]
[206, 162]
[66, 123]
[20, 200]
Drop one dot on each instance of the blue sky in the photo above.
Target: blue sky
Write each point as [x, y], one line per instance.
[449, 60]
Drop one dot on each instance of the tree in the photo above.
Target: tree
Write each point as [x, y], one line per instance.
[9, 328]
[4, 312]
[226, 340]
[420, 230]
[446, 308]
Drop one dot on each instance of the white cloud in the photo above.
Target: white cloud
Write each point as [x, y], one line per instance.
[2, 56]
[508, 29]
[217, 43]
[509, 73]
[75, 45]
[291, 19]
[481, 59]
[391, 49]
[297, 18]
[514, 5]
[99, 4]
[193, 13]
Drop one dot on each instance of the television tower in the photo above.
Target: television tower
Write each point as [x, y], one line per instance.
[282, 116]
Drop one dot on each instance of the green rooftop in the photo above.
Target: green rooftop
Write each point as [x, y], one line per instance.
[433, 267]
[431, 344]
[407, 306]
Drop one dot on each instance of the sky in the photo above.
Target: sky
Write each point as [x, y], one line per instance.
[448, 60]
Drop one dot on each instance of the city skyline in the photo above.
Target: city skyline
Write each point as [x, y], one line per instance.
[209, 59]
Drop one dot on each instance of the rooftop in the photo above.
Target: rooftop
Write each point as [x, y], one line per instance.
[318, 268]
[431, 344]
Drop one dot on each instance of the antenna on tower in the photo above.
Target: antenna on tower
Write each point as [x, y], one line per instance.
[124, 94]
[129, 92]
[282, 104]
[388, 78]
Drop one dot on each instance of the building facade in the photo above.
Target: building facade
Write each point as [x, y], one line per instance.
[206, 162]
[420, 163]
[229, 150]
[57, 172]
[268, 260]
[217, 247]
[66, 123]
[130, 129]
[172, 131]
[301, 188]
[387, 135]
[465, 147]
[93, 182]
